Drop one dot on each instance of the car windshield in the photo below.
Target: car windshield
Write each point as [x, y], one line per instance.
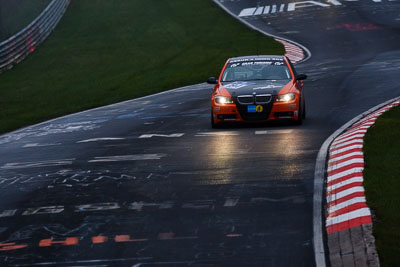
[256, 70]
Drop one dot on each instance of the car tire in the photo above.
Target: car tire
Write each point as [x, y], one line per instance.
[213, 124]
[299, 120]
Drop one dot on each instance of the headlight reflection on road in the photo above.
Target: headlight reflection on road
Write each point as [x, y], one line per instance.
[222, 155]
[288, 149]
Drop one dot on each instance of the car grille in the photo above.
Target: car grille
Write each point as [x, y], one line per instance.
[246, 99]
[257, 99]
[263, 99]
[243, 101]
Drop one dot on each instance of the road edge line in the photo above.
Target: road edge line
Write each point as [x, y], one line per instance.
[305, 49]
[319, 184]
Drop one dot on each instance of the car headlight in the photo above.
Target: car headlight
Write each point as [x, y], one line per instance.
[286, 97]
[223, 100]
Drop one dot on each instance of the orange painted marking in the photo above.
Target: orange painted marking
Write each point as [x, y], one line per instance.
[234, 235]
[99, 239]
[127, 238]
[69, 241]
[11, 246]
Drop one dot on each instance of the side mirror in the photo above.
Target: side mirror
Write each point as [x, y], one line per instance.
[301, 77]
[212, 80]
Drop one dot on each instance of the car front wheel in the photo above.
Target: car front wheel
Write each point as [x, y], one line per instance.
[301, 115]
[213, 124]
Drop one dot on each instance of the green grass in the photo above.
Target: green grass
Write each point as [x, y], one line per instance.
[105, 51]
[17, 14]
[382, 183]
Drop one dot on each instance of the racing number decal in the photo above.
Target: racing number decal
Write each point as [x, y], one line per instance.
[259, 108]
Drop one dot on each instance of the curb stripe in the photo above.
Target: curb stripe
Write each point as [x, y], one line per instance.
[338, 165]
[358, 141]
[346, 157]
[349, 216]
[344, 183]
[362, 127]
[349, 151]
[348, 209]
[360, 133]
[349, 185]
[345, 196]
[335, 208]
[345, 173]
[337, 196]
[341, 150]
[342, 179]
[340, 170]
[348, 139]
[293, 52]
[349, 224]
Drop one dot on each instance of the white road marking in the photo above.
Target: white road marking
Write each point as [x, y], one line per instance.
[247, 12]
[293, 6]
[41, 145]
[128, 158]
[8, 213]
[101, 139]
[44, 210]
[259, 11]
[274, 132]
[270, 9]
[203, 134]
[334, 2]
[349, 216]
[231, 202]
[162, 135]
[37, 164]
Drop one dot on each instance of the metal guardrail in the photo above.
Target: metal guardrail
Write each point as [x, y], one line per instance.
[18, 47]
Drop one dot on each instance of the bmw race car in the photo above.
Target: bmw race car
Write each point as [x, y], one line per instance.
[258, 89]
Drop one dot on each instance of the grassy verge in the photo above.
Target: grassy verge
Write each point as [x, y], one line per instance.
[17, 14]
[105, 51]
[382, 183]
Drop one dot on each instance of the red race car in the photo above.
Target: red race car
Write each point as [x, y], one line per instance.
[258, 89]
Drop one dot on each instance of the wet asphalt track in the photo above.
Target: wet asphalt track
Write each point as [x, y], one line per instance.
[160, 187]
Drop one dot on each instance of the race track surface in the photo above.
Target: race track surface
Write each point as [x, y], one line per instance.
[148, 182]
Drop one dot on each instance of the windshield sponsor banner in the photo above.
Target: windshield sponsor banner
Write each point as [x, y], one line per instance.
[252, 63]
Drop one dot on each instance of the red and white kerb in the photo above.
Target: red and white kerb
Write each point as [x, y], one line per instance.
[346, 203]
[293, 52]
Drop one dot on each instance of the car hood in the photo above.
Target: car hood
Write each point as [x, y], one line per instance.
[259, 87]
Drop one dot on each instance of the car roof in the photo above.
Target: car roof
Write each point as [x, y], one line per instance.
[258, 57]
